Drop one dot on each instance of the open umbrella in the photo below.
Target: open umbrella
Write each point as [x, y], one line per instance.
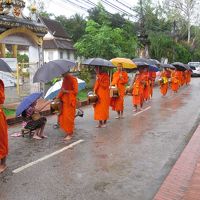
[54, 90]
[126, 63]
[146, 60]
[148, 66]
[170, 66]
[53, 69]
[4, 66]
[27, 101]
[179, 66]
[98, 62]
[140, 60]
[153, 62]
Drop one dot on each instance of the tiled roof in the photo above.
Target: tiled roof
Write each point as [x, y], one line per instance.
[55, 28]
[58, 44]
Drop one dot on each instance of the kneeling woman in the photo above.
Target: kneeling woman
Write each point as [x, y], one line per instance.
[101, 89]
[34, 124]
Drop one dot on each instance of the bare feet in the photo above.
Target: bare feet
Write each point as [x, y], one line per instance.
[2, 168]
[44, 136]
[37, 137]
[68, 138]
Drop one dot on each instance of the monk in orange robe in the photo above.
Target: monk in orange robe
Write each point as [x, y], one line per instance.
[152, 78]
[120, 79]
[163, 82]
[101, 89]
[67, 95]
[138, 90]
[3, 131]
[147, 87]
[179, 74]
[187, 77]
[174, 81]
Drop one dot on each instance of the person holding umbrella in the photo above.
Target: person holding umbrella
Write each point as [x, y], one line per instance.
[101, 89]
[174, 81]
[67, 96]
[3, 131]
[163, 82]
[31, 118]
[120, 79]
[138, 90]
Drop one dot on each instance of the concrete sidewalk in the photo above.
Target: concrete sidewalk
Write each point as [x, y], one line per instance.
[183, 181]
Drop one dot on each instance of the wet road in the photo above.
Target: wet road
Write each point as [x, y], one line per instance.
[127, 160]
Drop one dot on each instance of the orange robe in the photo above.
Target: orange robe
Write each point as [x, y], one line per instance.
[152, 76]
[101, 88]
[164, 86]
[147, 88]
[179, 73]
[174, 81]
[138, 89]
[183, 79]
[117, 104]
[3, 125]
[187, 77]
[67, 116]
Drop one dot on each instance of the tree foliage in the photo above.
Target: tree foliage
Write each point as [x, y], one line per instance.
[106, 42]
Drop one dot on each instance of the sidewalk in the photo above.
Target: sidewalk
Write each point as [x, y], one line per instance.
[183, 181]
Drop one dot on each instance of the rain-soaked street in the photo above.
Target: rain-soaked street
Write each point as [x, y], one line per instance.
[127, 160]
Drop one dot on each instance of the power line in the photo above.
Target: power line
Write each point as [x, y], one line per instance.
[75, 4]
[115, 7]
[125, 5]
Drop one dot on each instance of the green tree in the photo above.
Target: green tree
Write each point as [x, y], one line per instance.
[106, 42]
[74, 26]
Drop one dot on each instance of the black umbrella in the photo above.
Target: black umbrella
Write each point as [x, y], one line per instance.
[141, 64]
[98, 62]
[4, 66]
[140, 60]
[53, 69]
[153, 62]
[167, 66]
[179, 66]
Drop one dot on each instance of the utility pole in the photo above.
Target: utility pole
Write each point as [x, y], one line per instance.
[143, 36]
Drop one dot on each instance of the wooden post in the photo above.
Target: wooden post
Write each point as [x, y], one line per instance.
[2, 50]
[14, 51]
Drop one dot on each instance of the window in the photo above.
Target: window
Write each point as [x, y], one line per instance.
[61, 54]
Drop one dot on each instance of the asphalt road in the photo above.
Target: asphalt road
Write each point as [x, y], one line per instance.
[127, 160]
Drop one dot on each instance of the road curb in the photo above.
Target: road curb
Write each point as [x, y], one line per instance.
[176, 184]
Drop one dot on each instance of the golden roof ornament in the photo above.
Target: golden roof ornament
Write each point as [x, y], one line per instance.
[33, 8]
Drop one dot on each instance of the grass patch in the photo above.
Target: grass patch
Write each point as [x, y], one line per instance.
[9, 112]
[82, 95]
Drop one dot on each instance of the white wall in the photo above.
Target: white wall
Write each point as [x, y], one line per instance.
[55, 54]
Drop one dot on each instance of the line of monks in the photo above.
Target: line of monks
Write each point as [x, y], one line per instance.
[141, 90]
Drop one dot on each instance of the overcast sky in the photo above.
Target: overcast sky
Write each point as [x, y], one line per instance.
[70, 7]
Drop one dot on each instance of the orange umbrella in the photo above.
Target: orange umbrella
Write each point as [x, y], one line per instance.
[126, 63]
